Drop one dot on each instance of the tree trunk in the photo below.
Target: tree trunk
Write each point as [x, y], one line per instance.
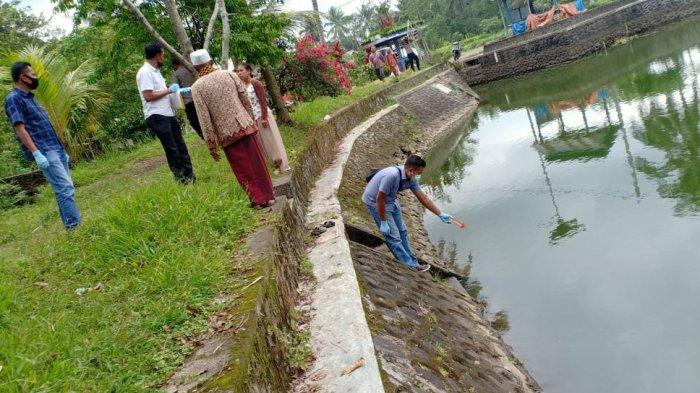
[178, 27]
[317, 18]
[225, 33]
[274, 89]
[503, 16]
[210, 26]
[152, 31]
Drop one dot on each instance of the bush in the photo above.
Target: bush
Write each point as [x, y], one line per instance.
[490, 25]
[315, 70]
[361, 74]
[360, 71]
[13, 163]
[124, 121]
[11, 195]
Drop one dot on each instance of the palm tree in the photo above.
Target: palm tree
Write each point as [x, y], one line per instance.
[366, 17]
[317, 19]
[72, 103]
[338, 23]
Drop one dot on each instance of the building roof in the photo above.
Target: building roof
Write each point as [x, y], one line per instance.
[394, 36]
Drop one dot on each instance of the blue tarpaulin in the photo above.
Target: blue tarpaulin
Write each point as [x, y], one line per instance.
[518, 27]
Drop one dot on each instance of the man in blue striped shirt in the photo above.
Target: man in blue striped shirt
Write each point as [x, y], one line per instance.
[39, 141]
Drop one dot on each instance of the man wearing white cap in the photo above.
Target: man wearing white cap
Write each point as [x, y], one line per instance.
[226, 117]
[160, 117]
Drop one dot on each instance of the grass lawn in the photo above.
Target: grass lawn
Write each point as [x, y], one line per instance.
[150, 256]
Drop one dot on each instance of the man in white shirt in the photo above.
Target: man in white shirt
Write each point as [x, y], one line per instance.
[159, 114]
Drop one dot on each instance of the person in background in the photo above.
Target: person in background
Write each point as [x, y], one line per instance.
[226, 117]
[412, 57]
[39, 140]
[456, 50]
[377, 59]
[159, 114]
[381, 198]
[184, 78]
[392, 63]
[269, 134]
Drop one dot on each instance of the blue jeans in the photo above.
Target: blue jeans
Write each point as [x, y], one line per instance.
[58, 176]
[397, 239]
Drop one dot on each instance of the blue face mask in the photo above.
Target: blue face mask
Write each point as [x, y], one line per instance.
[416, 178]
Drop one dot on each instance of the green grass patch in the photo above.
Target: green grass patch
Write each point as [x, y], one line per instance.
[149, 252]
[599, 3]
[299, 347]
[470, 42]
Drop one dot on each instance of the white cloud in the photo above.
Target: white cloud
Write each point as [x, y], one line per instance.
[58, 20]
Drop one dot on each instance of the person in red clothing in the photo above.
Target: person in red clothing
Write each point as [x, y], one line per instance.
[392, 63]
[226, 117]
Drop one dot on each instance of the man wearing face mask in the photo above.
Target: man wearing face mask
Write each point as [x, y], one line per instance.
[381, 195]
[39, 141]
[159, 114]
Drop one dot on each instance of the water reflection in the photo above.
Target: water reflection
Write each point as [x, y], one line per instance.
[581, 126]
[670, 124]
[581, 187]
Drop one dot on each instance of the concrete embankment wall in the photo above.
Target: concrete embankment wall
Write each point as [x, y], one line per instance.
[428, 335]
[574, 38]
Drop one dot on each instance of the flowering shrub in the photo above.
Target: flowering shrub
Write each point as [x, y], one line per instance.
[360, 70]
[315, 69]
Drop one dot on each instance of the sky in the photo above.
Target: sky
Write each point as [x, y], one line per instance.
[58, 20]
[65, 22]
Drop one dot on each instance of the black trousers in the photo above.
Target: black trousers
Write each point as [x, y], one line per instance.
[168, 131]
[193, 119]
[413, 58]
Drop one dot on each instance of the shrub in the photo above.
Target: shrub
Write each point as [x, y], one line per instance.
[11, 195]
[360, 71]
[490, 25]
[315, 70]
[10, 154]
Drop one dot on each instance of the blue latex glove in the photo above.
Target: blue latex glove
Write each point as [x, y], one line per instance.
[384, 227]
[174, 88]
[445, 218]
[186, 92]
[41, 161]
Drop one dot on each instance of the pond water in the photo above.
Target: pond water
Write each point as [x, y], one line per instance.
[580, 186]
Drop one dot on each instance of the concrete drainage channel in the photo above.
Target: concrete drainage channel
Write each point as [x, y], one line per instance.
[340, 336]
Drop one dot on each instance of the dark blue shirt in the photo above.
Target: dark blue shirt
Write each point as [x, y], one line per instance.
[22, 108]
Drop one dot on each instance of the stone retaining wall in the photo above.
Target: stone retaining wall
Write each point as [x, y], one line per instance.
[579, 38]
[558, 25]
[266, 367]
[253, 353]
